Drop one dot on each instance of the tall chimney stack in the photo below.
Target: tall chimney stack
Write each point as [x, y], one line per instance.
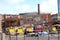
[38, 9]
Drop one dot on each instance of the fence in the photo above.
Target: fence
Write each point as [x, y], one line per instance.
[49, 37]
[53, 37]
[18, 37]
[1, 36]
[22, 38]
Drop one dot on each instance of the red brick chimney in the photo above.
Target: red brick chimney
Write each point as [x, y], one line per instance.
[38, 9]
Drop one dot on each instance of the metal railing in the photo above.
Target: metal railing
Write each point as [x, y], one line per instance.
[1, 36]
[49, 37]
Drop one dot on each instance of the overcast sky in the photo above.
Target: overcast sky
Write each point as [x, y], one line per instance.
[21, 6]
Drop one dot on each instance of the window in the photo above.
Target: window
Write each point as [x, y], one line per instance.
[22, 16]
[37, 18]
[29, 17]
[21, 22]
[14, 16]
[22, 19]
[7, 16]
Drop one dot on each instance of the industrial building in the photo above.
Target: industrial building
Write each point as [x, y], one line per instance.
[43, 19]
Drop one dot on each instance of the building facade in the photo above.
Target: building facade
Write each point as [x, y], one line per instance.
[1, 20]
[34, 18]
[12, 20]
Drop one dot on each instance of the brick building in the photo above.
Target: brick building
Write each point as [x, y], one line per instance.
[1, 20]
[12, 20]
[34, 18]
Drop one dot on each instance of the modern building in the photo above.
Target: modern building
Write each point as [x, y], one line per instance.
[54, 17]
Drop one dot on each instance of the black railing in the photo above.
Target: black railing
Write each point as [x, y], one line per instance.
[1, 36]
[49, 37]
